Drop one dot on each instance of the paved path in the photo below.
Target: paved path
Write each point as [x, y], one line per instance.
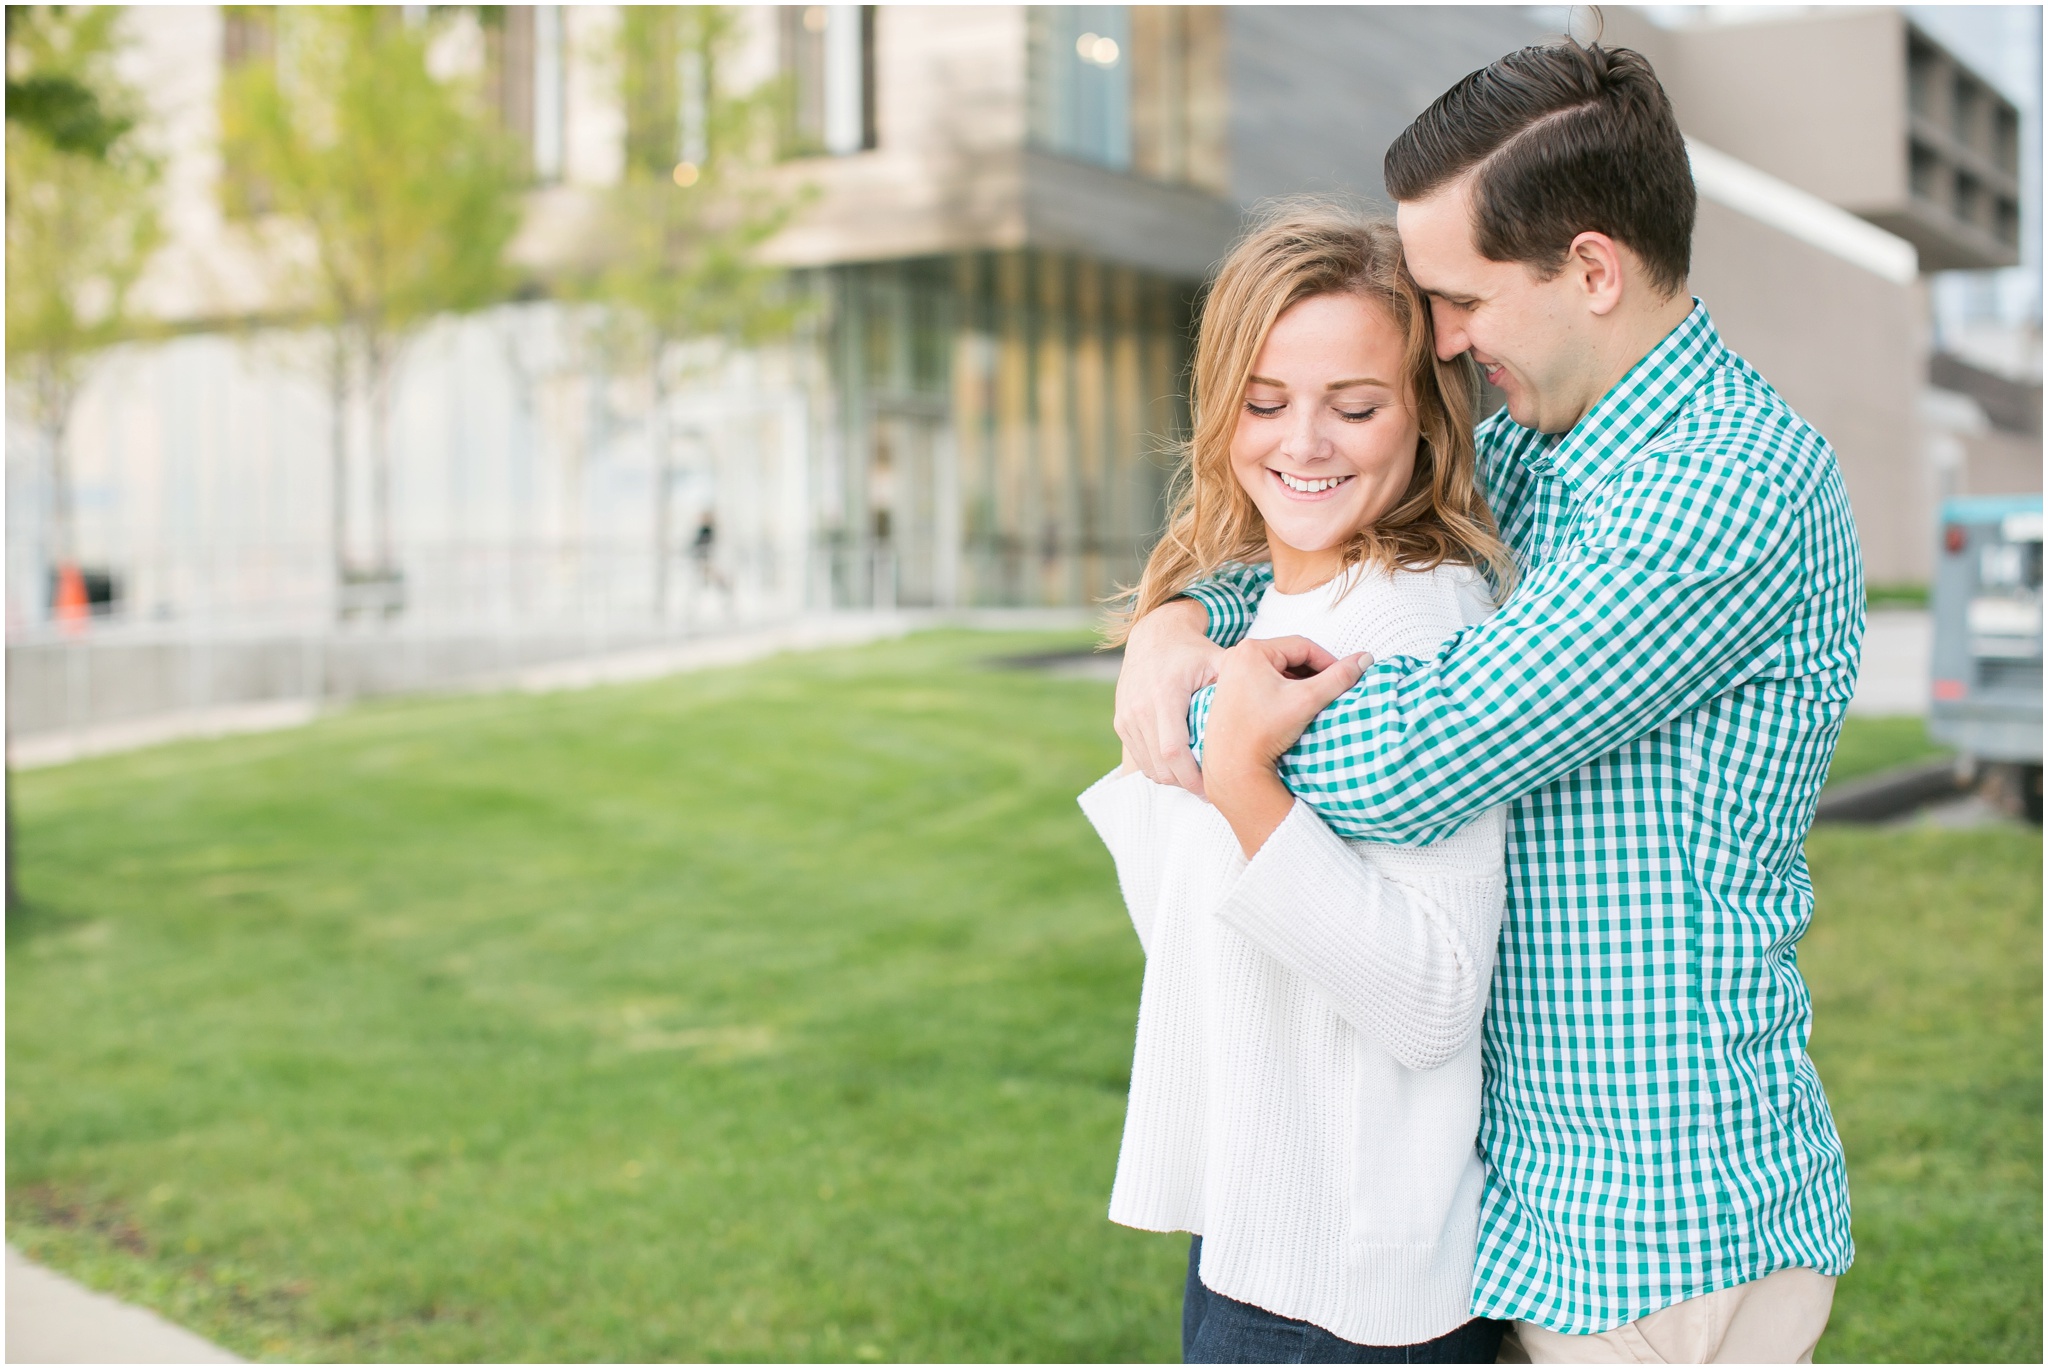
[810, 633]
[51, 1320]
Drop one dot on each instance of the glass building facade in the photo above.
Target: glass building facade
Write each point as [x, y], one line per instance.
[1006, 427]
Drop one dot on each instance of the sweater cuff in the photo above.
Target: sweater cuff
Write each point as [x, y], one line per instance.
[1117, 808]
[1122, 809]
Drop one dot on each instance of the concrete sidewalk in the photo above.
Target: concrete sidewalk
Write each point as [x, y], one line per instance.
[812, 632]
[52, 1320]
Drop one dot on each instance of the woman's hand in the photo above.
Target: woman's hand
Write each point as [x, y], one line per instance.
[1267, 693]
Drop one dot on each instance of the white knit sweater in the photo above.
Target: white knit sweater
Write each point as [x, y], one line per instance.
[1305, 1091]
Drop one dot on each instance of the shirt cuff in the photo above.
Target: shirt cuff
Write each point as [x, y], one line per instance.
[1228, 620]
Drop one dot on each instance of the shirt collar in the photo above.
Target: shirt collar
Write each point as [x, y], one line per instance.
[1640, 403]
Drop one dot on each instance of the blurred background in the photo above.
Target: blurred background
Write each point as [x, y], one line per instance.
[407, 345]
[356, 355]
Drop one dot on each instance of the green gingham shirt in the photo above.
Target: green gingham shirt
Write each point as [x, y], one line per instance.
[1656, 703]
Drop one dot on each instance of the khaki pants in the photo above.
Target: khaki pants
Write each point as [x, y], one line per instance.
[1774, 1320]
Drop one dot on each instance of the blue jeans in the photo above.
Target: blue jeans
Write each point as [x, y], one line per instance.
[1219, 1330]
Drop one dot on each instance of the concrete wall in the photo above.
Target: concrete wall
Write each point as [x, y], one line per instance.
[1317, 93]
[1844, 347]
[1816, 100]
[1819, 97]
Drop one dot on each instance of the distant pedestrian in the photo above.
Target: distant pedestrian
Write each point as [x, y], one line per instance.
[704, 550]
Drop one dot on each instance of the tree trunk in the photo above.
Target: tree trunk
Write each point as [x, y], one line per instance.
[658, 428]
[63, 520]
[70, 606]
[53, 394]
[377, 352]
[337, 458]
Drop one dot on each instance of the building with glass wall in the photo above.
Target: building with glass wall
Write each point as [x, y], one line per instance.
[1006, 421]
[1007, 215]
[1009, 261]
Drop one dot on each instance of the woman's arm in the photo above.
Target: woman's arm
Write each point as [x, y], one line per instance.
[1400, 940]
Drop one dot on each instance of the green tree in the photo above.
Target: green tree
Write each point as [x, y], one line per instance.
[680, 231]
[404, 196]
[81, 222]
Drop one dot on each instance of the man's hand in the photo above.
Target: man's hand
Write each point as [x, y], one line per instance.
[1267, 693]
[1165, 661]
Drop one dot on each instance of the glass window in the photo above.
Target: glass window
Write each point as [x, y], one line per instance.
[523, 79]
[248, 34]
[1177, 90]
[548, 93]
[248, 38]
[666, 88]
[828, 67]
[1080, 64]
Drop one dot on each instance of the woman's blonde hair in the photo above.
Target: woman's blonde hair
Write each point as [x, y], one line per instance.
[1299, 249]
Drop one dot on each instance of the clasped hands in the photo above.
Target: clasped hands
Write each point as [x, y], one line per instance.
[1267, 693]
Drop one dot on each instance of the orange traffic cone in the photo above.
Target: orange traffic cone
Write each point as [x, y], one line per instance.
[73, 608]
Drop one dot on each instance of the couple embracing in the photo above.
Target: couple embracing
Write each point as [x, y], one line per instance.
[1466, 774]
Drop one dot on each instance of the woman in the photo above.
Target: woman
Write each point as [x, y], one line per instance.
[1305, 1092]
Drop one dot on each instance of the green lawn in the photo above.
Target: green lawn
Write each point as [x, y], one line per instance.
[1925, 965]
[1871, 745]
[779, 1012]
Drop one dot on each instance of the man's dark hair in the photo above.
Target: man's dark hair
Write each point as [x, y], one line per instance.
[1566, 140]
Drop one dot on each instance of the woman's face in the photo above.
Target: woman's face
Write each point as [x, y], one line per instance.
[1326, 433]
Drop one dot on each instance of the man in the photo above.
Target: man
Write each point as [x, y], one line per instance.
[1656, 703]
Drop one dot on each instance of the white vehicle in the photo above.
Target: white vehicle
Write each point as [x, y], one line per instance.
[1987, 641]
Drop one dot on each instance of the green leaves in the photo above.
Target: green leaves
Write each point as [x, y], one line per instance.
[81, 218]
[681, 229]
[66, 112]
[81, 214]
[406, 194]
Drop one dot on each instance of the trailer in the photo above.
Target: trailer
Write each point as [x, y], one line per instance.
[1987, 643]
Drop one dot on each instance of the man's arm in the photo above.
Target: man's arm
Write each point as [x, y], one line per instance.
[1231, 597]
[1173, 651]
[1677, 594]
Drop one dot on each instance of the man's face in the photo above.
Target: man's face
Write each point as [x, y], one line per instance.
[1529, 335]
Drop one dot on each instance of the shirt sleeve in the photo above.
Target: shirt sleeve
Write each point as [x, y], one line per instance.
[1678, 591]
[1124, 810]
[1232, 597]
[1399, 940]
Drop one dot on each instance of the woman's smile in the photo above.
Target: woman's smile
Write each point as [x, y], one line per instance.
[1308, 488]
